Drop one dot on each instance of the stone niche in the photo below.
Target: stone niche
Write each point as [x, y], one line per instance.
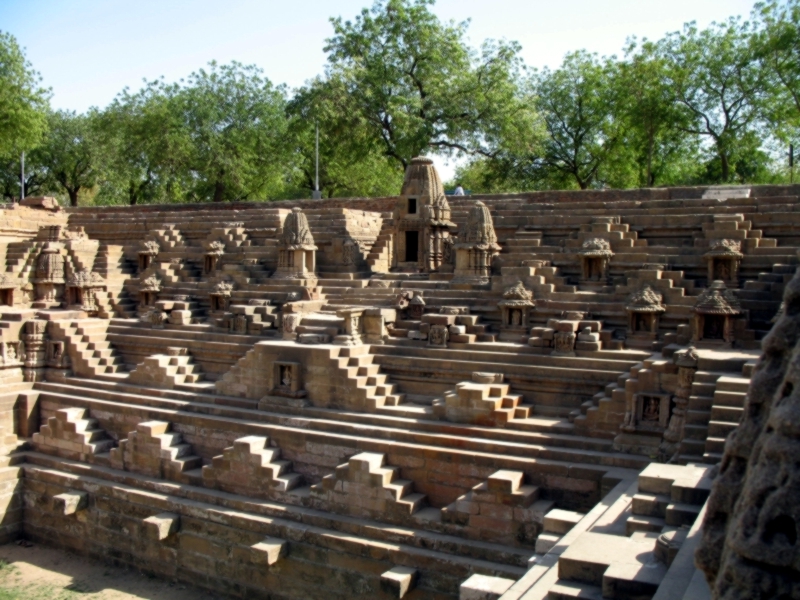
[82, 289]
[653, 410]
[287, 379]
[8, 290]
[148, 250]
[723, 261]
[148, 293]
[714, 314]
[644, 309]
[515, 308]
[595, 255]
[220, 297]
[297, 258]
[213, 251]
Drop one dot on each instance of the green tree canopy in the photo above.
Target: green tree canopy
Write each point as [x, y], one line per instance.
[719, 85]
[235, 121]
[69, 153]
[23, 103]
[419, 87]
[576, 102]
[351, 159]
[145, 144]
[655, 138]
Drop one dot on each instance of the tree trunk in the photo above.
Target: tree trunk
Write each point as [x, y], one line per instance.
[73, 196]
[219, 191]
[726, 169]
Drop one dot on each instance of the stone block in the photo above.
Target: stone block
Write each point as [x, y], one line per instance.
[434, 319]
[484, 587]
[457, 330]
[159, 527]
[69, 503]
[268, 551]
[398, 581]
[561, 521]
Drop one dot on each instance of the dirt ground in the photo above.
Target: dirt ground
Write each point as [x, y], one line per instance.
[38, 573]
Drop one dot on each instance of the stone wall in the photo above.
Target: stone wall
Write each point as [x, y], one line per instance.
[752, 524]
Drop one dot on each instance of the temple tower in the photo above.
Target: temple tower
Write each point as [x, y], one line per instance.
[423, 217]
[297, 252]
[476, 248]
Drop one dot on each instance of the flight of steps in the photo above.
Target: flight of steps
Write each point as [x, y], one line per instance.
[74, 433]
[87, 346]
[368, 384]
[715, 409]
[379, 258]
[21, 257]
[761, 297]
[372, 486]
[482, 403]
[170, 370]
[154, 450]
[262, 464]
[604, 412]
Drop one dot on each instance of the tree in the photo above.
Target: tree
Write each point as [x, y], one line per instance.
[236, 123]
[777, 47]
[719, 86]
[351, 161]
[69, 153]
[418, 86]
[10, 173]
[576, 102]
[146, 145]
[656, 140]
[23, 103]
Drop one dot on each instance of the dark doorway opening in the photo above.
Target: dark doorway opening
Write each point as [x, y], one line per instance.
[412, 246]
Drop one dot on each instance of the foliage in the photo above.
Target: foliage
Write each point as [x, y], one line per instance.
[23, 103]
[69, 154]
[700, 106]
[145, 145]
[718, 85]
[235, 122]
[655, 137]
[418, 87]
[351, 162]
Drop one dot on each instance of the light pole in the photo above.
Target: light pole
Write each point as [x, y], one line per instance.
[22, 178]
[316, 194]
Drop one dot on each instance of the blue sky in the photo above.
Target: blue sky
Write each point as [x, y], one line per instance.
[88, 50]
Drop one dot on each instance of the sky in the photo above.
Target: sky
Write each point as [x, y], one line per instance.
[87, 51]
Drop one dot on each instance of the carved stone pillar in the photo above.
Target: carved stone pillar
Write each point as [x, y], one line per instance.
[352, 326]
[49, 278]
[686, 360]
[35, 352]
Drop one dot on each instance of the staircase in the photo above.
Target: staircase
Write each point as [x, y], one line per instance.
[368, 386]
[714, 410]
[379, 258]
[263, 465]
[169, 370]
[154, 450]
[74, 432]
[21, 257]
[86, 344]
[365, 473]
